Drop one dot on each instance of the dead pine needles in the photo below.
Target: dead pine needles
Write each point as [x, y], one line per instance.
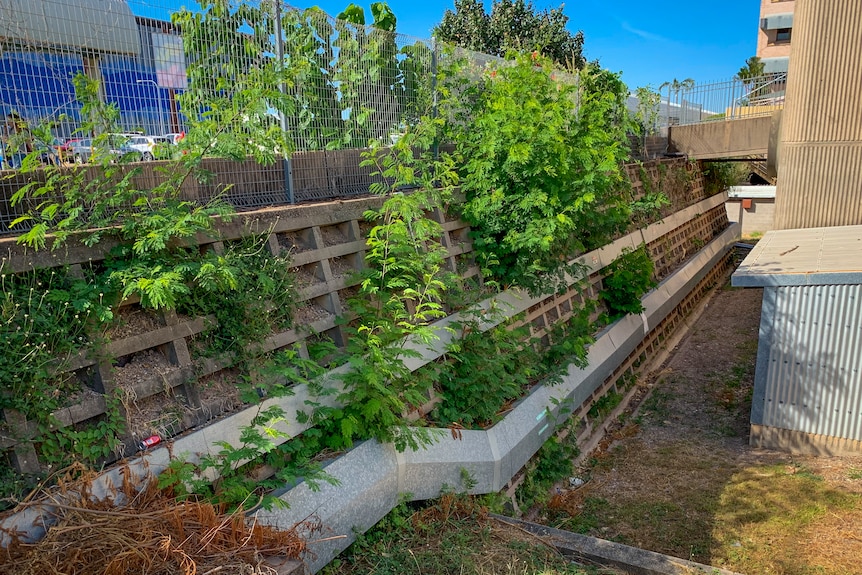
[148, 532]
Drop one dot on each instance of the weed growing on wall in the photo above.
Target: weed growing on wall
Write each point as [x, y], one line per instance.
[46, 318]
[251, 295]
[628, 278]
[551, 464]
[483, 371]
[568, 343]
[245, 475]
[402, 291]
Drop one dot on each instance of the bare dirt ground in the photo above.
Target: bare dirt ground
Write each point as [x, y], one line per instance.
[679, 476]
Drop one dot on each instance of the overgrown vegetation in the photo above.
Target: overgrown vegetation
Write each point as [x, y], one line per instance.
[54, 316]
[719, 176]
[485, 371]
[541, 171]
[537, 154]
[551, 464]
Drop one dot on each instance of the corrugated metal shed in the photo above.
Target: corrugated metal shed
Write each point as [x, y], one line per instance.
[808, 383]
[812, 256]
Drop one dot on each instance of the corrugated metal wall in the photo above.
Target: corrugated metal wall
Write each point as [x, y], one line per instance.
[820, 174]
[808, 368]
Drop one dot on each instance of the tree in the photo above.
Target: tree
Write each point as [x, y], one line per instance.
[512, 25]
[674, 89]
[753, 68]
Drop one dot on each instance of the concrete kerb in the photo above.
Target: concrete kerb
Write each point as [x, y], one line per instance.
[631, 560]
[491, 460]
[513, 450]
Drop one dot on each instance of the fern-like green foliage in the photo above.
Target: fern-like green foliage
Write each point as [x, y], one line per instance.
[542, 169]
[628, 278]
[401, 292]
[483, 371]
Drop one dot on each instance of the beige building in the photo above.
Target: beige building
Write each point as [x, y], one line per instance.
[774, 35]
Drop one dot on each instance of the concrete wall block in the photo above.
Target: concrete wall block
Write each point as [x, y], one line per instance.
[424, 473]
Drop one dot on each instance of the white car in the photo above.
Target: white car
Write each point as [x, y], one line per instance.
[150, 147]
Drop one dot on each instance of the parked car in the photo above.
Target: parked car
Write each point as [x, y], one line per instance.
[83, 150]
[150, 147]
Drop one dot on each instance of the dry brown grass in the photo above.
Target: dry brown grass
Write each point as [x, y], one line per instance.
[680, 478]
[148, 532]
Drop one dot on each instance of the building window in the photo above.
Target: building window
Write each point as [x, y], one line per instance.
[782, 35]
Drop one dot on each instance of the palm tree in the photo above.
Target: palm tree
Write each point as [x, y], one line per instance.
[675, 87]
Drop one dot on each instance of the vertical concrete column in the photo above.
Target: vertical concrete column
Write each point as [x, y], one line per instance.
[820, 174]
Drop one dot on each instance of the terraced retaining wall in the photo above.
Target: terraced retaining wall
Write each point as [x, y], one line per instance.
[162, 375]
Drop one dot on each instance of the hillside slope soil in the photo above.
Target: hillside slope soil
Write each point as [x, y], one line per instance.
[677, 475]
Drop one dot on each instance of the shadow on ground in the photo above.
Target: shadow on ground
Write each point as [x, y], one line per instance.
[679, 476]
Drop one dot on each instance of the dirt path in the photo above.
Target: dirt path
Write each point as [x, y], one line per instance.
[681, 479]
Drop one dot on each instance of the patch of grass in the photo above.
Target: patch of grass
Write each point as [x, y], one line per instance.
[769, 519]
[655, 407]
[590, 518]
[854, 473]
[450, 535]
[732, 388]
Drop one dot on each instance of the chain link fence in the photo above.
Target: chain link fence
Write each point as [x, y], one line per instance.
[348, 85]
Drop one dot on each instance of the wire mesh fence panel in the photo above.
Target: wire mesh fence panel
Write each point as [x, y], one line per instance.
[278, 103]
[730, 99]
[355, 86]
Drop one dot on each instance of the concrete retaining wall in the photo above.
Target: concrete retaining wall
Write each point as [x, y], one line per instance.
[373, 477]
[504, 452]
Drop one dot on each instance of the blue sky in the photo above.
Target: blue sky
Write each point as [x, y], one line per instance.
[649, 41]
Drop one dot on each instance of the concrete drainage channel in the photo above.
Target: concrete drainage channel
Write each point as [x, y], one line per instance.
[374, 477]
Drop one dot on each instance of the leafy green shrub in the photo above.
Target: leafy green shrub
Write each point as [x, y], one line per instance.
[568, 343]
[402, 289]
[484, 370]
[541, 169]
[250, 291]
[628, 278]
[232, 476]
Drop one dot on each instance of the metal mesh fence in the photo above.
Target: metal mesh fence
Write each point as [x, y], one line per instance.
[730, 99]
[310, 91]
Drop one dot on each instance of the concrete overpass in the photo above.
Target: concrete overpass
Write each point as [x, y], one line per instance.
[723, 139]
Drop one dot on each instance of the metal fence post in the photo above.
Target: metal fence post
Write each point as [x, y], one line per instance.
[434, 90]
[287, 165]
[733, 98]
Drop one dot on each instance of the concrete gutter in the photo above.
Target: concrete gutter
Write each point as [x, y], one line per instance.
[591, 550]
[373, 478]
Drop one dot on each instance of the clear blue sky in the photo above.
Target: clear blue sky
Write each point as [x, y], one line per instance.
[649, 41]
